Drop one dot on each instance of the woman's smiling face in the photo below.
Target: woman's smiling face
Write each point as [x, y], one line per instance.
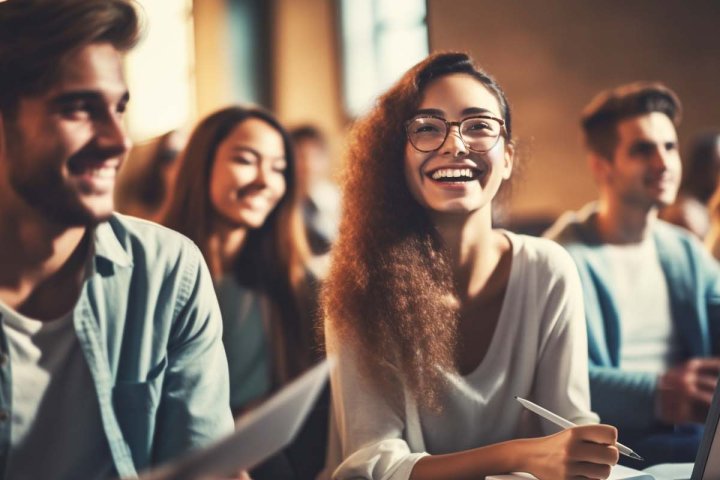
[247, 179]
[453, 178]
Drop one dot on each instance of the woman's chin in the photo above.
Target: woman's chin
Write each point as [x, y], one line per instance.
[455, 207]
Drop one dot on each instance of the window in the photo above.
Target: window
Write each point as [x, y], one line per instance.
[160, 70]
[381, 39]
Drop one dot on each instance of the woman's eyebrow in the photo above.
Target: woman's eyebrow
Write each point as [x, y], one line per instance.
[430, 111]
[478, 111]
[243, 148]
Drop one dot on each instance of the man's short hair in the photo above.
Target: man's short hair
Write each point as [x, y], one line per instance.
[36, 36]
[601, 116]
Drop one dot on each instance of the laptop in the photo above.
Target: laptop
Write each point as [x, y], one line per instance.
[707, 461]
[258, 435]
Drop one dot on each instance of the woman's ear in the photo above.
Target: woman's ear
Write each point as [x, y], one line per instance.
[509, 159]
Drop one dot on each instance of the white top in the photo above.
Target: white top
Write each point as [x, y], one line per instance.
[56, 426]
[647, 335]
[538, 351]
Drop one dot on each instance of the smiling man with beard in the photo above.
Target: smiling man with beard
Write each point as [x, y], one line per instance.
[651, 292]
[111, 358]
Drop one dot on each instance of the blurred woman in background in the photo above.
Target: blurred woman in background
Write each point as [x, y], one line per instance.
[236, 198]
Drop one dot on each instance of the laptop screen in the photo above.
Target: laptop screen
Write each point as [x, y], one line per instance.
[707, 462]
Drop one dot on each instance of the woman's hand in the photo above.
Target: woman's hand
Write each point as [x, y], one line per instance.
[586, 451]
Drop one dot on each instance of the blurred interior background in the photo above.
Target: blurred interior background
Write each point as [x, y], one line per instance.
[322, 62]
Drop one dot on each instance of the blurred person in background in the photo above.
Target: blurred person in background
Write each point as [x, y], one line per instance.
[320, 196]
[236, 197]
[651, 291]
[701, 177]
[712, 239]
[145, 184]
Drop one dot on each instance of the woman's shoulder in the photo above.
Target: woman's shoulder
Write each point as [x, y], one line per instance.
[549, 277]
[540, 253]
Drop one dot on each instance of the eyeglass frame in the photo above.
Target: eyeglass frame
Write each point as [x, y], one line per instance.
[449, 125]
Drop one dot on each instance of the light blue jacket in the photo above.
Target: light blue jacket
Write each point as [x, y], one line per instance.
[627, 399]
[149, 326]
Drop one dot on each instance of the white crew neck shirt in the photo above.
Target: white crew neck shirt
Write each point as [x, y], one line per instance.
[56, 429]
[648, 341]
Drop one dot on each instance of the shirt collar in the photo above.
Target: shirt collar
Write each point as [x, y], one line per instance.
[108, 246]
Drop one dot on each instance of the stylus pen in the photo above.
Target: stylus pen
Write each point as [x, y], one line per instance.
[560, 421]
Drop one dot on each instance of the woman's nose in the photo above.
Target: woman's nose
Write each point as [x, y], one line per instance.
[454, 144]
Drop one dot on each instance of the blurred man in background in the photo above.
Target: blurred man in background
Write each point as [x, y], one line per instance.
[651, 291]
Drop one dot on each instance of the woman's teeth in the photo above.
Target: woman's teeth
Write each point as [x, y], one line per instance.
[453, 174]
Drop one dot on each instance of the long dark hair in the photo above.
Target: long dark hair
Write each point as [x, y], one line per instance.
[390, 289]
[274, 256]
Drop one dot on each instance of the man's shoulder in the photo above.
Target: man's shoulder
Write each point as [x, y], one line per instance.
[572, 227]
[565, 229]
[668, 232]
[674, 244]
[142, 228]
[574, 230]
[142, 241]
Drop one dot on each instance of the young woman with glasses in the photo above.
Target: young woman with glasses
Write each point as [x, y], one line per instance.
[438, 321]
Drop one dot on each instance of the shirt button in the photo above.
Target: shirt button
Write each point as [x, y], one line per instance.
[3, 415]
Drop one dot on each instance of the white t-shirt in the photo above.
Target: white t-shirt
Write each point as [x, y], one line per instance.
[648, 342]
[538, 351]
[56, 425]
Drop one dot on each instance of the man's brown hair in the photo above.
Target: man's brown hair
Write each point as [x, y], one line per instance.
[36, 36]
[600, 117]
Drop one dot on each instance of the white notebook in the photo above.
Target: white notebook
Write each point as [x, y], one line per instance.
[618, 473]
[665, 471]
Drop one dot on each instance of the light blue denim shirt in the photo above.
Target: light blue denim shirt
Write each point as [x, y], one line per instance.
[149, 325]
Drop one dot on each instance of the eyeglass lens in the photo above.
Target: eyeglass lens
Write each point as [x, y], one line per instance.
[478, 133]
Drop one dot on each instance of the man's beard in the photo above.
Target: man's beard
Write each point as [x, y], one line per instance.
[47, 195]
[44, 189]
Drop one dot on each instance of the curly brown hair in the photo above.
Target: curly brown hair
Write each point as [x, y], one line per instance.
[390, 290]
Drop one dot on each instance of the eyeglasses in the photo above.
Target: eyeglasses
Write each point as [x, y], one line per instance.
[428, 133]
